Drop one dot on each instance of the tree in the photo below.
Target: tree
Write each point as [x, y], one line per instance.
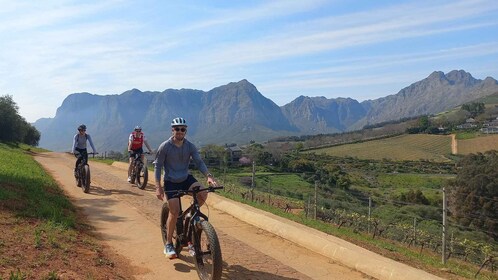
[14, 127]
[473, 195]
[474, 108]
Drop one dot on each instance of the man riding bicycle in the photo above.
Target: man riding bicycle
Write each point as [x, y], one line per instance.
[135, 143]
[174, 155]
[79, 145]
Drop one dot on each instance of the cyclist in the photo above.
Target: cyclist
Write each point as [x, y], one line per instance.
[174, 155]
[79, 145]
[135, 143]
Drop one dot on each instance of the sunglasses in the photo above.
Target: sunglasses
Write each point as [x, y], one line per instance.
[183, 129]
[138, 130]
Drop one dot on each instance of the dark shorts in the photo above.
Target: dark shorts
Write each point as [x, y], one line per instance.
[185, 185]
[137, 151]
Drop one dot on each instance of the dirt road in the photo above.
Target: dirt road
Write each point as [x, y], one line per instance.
[127, 219]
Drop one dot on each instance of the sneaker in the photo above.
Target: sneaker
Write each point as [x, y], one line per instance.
[129, 179]
[169, 251]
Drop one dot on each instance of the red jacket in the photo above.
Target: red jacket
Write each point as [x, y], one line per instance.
[137, 140]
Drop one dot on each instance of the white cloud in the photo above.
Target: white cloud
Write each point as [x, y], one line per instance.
[55, 48]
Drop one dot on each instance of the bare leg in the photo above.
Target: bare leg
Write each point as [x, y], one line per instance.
[174, 208]
[129, 167]
[202, 196]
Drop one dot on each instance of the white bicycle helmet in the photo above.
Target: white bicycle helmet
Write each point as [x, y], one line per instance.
[178, 121]
[138, 127]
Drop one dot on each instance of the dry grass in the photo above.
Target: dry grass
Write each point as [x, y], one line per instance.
[404, 147]
[478, 144]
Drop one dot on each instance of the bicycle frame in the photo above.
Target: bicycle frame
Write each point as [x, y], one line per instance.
[82, 175]
[195, 214]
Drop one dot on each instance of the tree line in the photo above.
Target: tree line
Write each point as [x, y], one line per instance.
[13, 126]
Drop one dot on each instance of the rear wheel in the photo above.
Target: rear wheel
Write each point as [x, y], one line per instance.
[164, 230]
[86, 178]
[78, 177]
[208, 260]
[142, 177]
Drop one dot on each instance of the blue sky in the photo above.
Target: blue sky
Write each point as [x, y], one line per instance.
[358, 49]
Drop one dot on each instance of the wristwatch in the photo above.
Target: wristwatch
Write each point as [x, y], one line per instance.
[210, 175]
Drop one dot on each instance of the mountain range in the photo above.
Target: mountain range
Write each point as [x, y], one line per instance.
[238, 112]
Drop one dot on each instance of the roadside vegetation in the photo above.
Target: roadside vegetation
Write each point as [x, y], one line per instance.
[42, 235]
[406, 208]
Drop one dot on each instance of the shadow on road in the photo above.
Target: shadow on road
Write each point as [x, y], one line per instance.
[231, 272]
[99, 191]
[239, 272]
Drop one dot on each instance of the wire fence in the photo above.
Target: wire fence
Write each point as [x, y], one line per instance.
[463, 243]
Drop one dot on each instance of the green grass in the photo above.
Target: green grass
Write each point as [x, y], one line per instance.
[414, 181]
[28, 191]
[465, 135]
[404, 147]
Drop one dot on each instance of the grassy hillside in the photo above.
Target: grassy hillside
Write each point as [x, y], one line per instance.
[404, 147]
[41, 233]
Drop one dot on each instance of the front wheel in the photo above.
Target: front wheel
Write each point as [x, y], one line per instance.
[208, 260]
[142, 177]
[86, 179]
[164, 230]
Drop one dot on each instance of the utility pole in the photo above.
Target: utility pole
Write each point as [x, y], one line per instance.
[443, 249]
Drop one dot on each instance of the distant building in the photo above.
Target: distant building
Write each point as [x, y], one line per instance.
[234, 153]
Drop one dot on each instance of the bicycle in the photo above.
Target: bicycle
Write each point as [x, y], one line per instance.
[194, 231]
[83, 172]
[139, 171]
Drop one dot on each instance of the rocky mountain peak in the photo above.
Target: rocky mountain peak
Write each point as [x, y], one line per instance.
[237, 112]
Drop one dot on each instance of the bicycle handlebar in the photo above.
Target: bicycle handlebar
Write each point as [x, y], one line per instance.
[78, 153]
[180, 193]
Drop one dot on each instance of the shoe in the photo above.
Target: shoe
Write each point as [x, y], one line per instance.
[169, 251]
[129, 179]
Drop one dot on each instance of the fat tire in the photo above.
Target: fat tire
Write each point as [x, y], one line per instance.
[78, 179]
[142, 177]
[164, 230]
[86, 179]
[208, 248]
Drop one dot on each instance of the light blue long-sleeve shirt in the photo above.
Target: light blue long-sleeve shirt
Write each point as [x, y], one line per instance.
[79, 141]
[175, 161]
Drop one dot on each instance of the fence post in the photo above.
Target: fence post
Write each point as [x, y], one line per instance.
[414, 231]
[253, 182]
[316, 195]
[443, 244]
[369, 212]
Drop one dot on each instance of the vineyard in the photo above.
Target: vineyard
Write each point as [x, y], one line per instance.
[478, 144]
[390, 205]
[405, 147]
[414, 237]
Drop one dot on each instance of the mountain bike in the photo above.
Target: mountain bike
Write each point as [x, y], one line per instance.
[83, 172]
[139, 171]
[194, 231]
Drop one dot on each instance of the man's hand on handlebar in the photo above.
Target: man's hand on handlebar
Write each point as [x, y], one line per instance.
[159, 193]
[211, 181]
